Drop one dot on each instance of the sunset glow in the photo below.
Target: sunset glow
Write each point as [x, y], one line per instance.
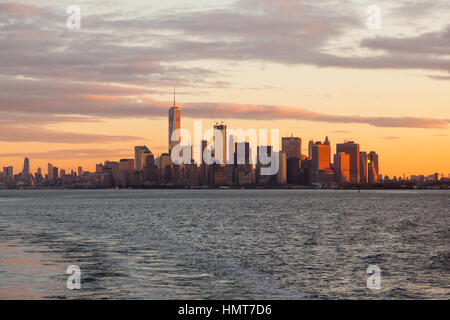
[311, 69]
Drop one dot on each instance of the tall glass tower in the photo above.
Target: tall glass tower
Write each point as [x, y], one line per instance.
[26, 168]
[174, 124]
[220, 143]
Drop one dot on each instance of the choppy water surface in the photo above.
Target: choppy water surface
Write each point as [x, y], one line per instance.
[224, 244]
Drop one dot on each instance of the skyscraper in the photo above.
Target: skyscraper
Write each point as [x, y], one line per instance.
[99, 167]
[282, 170]
[139, 152]
[293, 167]
[188, 152]
[363, 167]
[149, 167]
[8, 173]
[126, 167]
[262, 152]
[230, 150]
[26, 168]
[80, 171]
[50, 172]
[342, 167]
[203, 166]
[242, 153]
[114, 167]
[292, 147]
[372, 173]
[55, 173]
[204, 146]
[243, 168]
[174, 124]
[351, 148]
[165, 164]
[220, 143]
[310, 146]
[320, 159]
[327, 142]
[148, 159]
[373, 169]
[373, 157]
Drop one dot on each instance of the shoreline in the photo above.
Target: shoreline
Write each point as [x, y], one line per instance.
[299, 187]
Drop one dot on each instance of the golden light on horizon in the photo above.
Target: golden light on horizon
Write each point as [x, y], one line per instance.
[310, 71]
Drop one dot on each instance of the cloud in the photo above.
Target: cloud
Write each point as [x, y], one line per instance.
[19, 9]
[271, 112]
[287, 32]
[154, 48]
[25, 119]
[341, 131]
[36, 134]
[120, 59]
[436, 43]
[29, 101]
[39, 87]
[418, 9]
[72, 154]
[439, 77]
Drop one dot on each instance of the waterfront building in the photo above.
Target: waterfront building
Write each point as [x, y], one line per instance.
[292, 147]
[220, 143]
[26, 168]
[50, 172]
[139, 152]
[373, 157]
[363, 167]
[352, 149]
[174, 124]
[342, 168]
[310, 147]
[282, 168]
[320, 159]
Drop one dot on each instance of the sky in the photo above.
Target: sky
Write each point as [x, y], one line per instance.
[308, 68]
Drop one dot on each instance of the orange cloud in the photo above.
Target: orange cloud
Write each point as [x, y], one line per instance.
[271, 112]
[19, 9]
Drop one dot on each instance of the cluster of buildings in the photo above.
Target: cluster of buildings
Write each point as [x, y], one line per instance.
[349, 166]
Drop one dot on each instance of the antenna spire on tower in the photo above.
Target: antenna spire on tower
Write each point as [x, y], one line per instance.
[174, 97]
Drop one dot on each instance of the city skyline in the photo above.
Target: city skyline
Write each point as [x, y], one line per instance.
[214, 152]
[292, 145]
[231, 164]
[80, 97]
